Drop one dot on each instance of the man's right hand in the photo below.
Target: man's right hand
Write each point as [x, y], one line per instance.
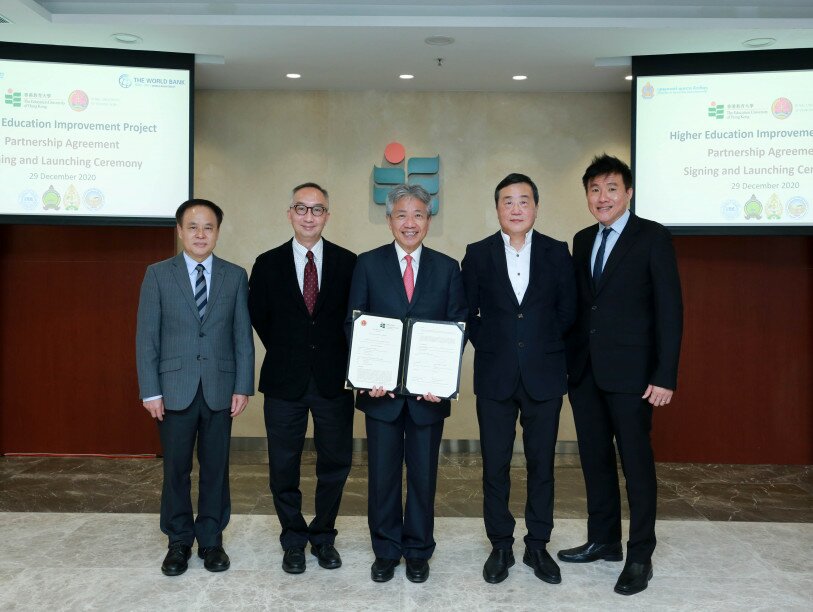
[155, 408]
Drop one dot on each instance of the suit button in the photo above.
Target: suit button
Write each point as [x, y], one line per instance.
[592, 331]
[313, 322]
[313, 346]
[198, 357]
[201, 334]
[520, 344]
[594, 307]
[519, 316]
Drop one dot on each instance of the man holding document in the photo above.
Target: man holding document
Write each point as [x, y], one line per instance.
[399, 281]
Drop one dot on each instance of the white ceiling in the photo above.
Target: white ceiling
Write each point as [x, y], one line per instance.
[366, 44]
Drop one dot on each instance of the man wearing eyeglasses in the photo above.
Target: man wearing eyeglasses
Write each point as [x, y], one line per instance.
[521, 293]
[297, 301]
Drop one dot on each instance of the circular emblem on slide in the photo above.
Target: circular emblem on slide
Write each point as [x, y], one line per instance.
[125, 81]
[753, 208]
[28, 199]
[730, 209]
[797, 207]
[51, 199]
[78, 100]
[94, 199]
[781, 108]
[363, 323]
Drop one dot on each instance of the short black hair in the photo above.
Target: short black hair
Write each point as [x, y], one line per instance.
[311, 186]
[514, 179]
[606, 164]
[198, 202]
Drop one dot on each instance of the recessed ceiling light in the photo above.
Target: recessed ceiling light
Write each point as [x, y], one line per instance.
[406, 77]
[126, 39]
[519, 77]
[293, 75]
[756, 43]
[628, 77]
[439, 41]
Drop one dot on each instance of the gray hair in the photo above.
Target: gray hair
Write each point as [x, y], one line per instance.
[399, 192]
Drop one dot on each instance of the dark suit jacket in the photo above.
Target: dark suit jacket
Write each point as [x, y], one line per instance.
[176, 351]
[378, 288]
[298, 345]
[629, 326]
[513, 339]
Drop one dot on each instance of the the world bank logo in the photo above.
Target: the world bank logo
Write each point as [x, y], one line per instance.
[125, 81]
[423, 171]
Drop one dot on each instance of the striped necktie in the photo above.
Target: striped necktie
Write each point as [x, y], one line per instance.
[200, 291]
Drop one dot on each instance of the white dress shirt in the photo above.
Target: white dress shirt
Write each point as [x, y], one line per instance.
[519, 264]
[301, 258]
[416, 260]
[612, 238]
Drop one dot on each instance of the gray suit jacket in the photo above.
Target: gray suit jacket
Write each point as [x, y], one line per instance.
[175, 350]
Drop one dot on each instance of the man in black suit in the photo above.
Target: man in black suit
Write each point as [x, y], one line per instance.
[298, 300]
[404, 279]
[522, 299]
[622, 360]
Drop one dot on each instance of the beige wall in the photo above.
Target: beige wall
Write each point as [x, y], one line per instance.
[252, 147]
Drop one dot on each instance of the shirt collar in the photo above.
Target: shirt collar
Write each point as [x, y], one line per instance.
[191, 264]
[619, 224]
[507, 239]
[302, 251]
[416, 254]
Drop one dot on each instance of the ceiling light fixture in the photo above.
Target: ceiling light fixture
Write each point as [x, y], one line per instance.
[519, 77]
[406, 77]
[438, 41]
[628, 77]
[293, 75]
[126, 39]
[757, 43]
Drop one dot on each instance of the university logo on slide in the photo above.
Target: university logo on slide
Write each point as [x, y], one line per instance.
[14, 98]
[716, 111]
[781, 108]
[647, 91]
[423, 171]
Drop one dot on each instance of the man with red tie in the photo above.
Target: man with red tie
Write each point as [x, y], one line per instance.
[404, 279]
[297, 301]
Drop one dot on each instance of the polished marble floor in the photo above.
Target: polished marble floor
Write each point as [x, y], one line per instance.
[82, 533]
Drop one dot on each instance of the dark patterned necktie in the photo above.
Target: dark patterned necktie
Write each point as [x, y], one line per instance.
[310, 284]
[598, 265]
[200, 291]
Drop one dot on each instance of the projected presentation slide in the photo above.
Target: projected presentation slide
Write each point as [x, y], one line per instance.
[725, 149]
[87, 140]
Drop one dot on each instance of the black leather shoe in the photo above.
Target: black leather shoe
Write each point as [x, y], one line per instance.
[496, 568]
[175, 563]
[293, 561]
[327, 555]
[587, 553]
[417, 570]
[383, 569]
[214, 558]
[634, 578]
[545, 567]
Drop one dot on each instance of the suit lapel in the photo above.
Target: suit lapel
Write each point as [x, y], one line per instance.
[625, 241]
[217, 275]
[585, 251]
[501, 266]
[425, 271]
[329, 263]
[538, 248]
[181, 275]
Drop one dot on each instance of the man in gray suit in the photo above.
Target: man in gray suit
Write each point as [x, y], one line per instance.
[195, 358]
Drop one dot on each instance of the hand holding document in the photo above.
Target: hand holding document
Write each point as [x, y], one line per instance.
[425, 361]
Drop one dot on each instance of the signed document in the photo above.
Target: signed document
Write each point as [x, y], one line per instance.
[425, 359]
[433, 360]
[375, 353]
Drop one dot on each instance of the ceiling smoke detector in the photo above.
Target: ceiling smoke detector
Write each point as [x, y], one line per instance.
[126, 39]
[438, 41]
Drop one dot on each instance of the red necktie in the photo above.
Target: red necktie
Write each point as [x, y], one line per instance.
[409, 278]
[310, 284]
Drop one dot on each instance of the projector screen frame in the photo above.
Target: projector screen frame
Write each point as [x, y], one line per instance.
[101, 56]
[729, 62]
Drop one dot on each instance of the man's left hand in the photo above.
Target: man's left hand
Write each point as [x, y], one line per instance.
[658, 396]
[429, 397]
[238, 404]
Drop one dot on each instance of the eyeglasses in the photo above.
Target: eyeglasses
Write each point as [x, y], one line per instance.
[317, 211]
